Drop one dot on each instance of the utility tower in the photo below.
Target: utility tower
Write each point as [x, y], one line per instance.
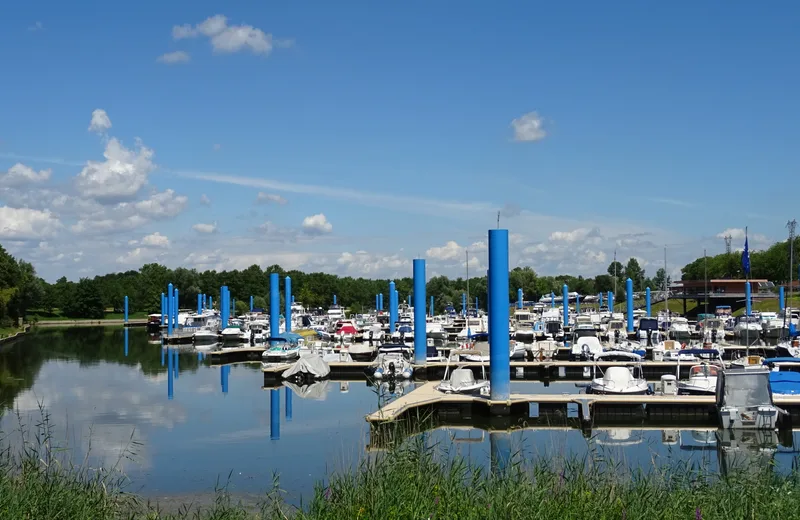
[728, 240]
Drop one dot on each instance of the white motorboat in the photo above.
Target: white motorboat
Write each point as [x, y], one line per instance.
[462, 381]
[435, 330]
[281, 352]
[231, 335]
[714, 330]
[259, 331]
[748, 327]
[703, 376]
[523, 325]
[585, 343]
[748, 362]
[679, 328]
[619, 380]
[205, 336]
[788, 348]
[393, 363]
[771, 325]
[616, 331]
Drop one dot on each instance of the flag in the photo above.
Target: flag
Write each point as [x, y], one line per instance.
[746, 257]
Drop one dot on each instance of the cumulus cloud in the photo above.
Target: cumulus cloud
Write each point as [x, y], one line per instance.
[317, 225]
[100, 122]
[155, 240]
[19, 174]
[528, 127]
[126, 216]
[205, 228]
[450, 251]
[172, 58]
[120, 176]
[583, 234]
[27, 224]
[204, 200]
[366, 264]
[226, 39]
[270, 198]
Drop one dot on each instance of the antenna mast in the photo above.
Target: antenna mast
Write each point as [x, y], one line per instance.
[792, 226]
[728, 240]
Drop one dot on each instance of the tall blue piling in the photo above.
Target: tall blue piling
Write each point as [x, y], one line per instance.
[392, 307]
[476, 302]
[170, 375]
[251, 303]
[377, 303]
[287, 303]
[275, 305]
[293, 298]
[334, 299]
[275, 414]
[205, 302]
[488, 297]
[126, 309]
[629, 301]
[610, 301]
[223, 309]
[600, 300]
[432, 306]
[499, 359]
[211, 302]
[126, 342]
[781, 299]
[420, 337]
[380, 301]
[552, 299]
[163, 308]
[169, 310]
[288, 404]
[647, 300]
[199, 304]
[565, 297]
[175, 309]
[577, 304]
[747, 297]
[519, 298]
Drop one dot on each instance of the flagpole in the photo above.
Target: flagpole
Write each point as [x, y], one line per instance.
[747, 280]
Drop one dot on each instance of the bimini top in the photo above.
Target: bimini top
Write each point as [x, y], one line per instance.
[776, 360]
[618, 354]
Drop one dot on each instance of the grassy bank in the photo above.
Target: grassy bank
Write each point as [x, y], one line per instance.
[55, 315]
[413, 483]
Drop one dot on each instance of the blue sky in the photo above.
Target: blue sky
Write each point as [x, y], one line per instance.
[390, 131]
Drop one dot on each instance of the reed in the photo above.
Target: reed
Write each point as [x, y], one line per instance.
[411, 480]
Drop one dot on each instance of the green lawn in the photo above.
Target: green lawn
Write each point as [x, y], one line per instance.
[8, 331]
[42, 315]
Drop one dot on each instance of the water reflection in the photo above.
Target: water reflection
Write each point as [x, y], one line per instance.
[104, 391]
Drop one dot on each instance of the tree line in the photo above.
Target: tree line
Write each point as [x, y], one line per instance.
[771, 264]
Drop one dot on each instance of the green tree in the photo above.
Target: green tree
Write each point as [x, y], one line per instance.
[635, 272]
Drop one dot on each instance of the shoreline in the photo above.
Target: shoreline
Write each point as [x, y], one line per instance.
[139, 322]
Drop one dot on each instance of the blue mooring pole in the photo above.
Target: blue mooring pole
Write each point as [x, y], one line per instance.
[126, 309]
[223, 309]
[629, 301]
[552, 299]
[176, 308]
[488, 297]
[287, 304]
[781, 299]
[380, 301]
[600, 301]
[275, 305]
[392, 307]
[274, 414]
[420, 337]
[647, 300]
[169, 310]
[211, 302]
[199, 304]
[519, 298]
[251, 303]
[432, 306]
[747, 297]
[565, 297]
[377, 304]
[610, 301]
[334, 299]
[499, 359]
[578, 304]
[163, 307]
[476, 302]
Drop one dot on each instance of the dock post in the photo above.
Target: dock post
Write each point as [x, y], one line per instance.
[519, 298]
[499, 358]
[500, 446]
[226, 373]
[577, 304]
[169, 310]
[287, 303]
[334, 299]
[275, 414]
[781, 299]
[600, 301]
[223, 309]
[251, 303]
[552, 300]
[170, 375]
[175, 309]
[629, 301]
[377, 304]
[380, 301]
[199, 304]
[647, 300]
[275, 305]
[420, 336]
[747, 297]
[126, 342]
[610, 301]
[126, 309]
[488, 299]
[288, 404]
[392, 307]
[432, 313]
[565, 296]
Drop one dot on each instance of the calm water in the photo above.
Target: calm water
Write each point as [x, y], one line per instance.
[211, 422]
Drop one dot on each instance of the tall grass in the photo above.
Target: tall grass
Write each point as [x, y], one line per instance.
[412, 481]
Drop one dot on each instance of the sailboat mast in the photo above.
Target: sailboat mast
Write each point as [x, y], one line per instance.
[467, 309]
[705, 277]
[792, 225]
[666, 289]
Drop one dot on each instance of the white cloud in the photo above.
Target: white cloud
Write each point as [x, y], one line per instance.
[26, 224]
[100, 122]
[217, 147]
[267, 198]
[38, 26]
[450, 251]
[585, 234]
[317, 225]
[737, 236]
[126, 216]
[529, 127]
[205, 228]
[120, 176]
[362, 263]
[155, 240]
[171, 58]
[226, 39]
[204, 200]
[20, 174]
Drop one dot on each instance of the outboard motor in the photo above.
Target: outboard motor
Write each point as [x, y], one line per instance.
[713, 335]
[616, 336]
[649, 337]
[252, 337]
[391, 368]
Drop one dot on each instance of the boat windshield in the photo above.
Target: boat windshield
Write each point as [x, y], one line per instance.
[583, 333]
[704, 370]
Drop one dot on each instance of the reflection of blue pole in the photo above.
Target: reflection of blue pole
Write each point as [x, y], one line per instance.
[565, 297]
[781, 299]
[170, 375]
[519, 298]
[175, 366]
[578, 304]
[499, 360]
[287, 303]
[274, 305]
[169, 310]
[126, 342]
[629, 302]
[199, 356]
[392, 307]
[274, 414]
[288, 404]
[226, 372]
[747, 297]
[163, 352]
[126, 309]
[500, 446]
[647, 300]
[420, 345]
